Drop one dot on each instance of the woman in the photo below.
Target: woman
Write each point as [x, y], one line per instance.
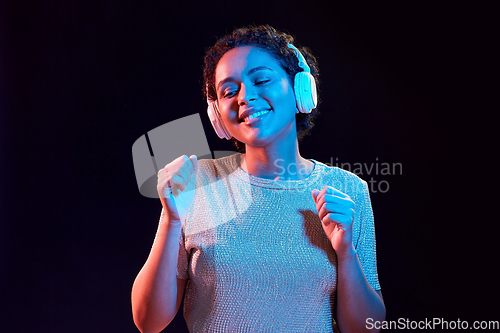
[264, 240]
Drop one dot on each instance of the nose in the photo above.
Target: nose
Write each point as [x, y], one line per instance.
[247, 94]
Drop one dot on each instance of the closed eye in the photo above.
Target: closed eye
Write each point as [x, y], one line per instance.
[229, 91]
[262, 81]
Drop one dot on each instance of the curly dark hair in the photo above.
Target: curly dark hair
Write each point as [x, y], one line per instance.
[276, 44]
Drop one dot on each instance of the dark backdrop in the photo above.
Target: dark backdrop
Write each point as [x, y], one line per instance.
[81, 81]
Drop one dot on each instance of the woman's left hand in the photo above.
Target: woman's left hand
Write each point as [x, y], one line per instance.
[336, 211]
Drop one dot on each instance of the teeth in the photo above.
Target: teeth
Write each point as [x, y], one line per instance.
[257, 114]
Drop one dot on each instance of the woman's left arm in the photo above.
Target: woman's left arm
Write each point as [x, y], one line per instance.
[356, 299]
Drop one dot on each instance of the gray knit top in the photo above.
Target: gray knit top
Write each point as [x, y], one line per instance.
[255, 255]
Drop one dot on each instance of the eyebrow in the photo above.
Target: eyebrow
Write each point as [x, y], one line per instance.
[258, 68]
[250, 72]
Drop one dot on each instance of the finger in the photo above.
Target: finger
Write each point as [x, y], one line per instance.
[319, 197]
[184, 174]
[189, 167]
[161, 175]
[328, 219]
[176, 175]
[323, 198]
[176, 165]
[179, 182]
[163, 188]
[341, 220]
[334, 191]
[346, 202]
[329, 207]
[333, 198]
[344, 208]
[315, 193]
[327, 190]
[166, 191]
[176, 162]
[194, 161]
[346, 218]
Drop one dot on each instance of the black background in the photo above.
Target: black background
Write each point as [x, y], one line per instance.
[80, 82]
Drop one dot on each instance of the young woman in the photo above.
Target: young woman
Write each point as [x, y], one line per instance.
[263, 240]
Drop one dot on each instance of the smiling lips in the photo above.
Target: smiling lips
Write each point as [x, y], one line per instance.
[255, 115]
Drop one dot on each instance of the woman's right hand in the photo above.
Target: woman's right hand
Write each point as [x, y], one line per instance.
[176, 182]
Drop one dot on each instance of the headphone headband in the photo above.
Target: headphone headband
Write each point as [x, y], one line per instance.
[302, 61]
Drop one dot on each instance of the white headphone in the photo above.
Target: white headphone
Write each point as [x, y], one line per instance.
[306, 96]
[216, 120]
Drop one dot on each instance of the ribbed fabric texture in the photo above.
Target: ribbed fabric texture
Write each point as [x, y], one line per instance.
[255, 254]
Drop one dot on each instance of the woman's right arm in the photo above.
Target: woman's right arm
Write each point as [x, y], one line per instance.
[157, 292]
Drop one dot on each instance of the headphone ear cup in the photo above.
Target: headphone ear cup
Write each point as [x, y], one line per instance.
[217, 123]
[305, 92]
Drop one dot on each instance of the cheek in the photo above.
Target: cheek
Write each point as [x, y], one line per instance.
[228, 109]
[284, 95]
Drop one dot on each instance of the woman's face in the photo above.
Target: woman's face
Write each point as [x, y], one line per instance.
[255, 98]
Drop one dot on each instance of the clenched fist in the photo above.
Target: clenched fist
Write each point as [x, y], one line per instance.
[336, 211]
[176, 182]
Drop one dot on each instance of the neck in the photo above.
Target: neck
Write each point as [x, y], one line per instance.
[277, 164]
